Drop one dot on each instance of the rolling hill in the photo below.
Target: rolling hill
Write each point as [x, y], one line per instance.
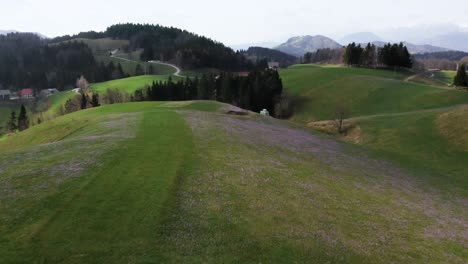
[186, 182]
[412, 124]
[364, 91]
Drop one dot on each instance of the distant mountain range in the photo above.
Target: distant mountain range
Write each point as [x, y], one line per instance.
[245, 46]
[298, 46]
[360, 37]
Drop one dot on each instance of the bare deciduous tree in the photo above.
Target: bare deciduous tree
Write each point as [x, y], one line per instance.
[82, 83]
[341, 113]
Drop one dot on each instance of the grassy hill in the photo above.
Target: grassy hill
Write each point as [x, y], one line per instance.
[129, 85]
[364, 91]
[413, 124]
[184, 182]
[432, 142]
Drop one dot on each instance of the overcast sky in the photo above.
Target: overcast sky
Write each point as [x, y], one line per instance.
[233, 22]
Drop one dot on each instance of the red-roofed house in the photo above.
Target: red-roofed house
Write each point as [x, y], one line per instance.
[243, 74]
[27, 93]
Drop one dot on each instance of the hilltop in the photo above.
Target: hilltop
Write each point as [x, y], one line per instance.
[187, 182]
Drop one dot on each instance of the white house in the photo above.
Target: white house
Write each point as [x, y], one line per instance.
[5, 95]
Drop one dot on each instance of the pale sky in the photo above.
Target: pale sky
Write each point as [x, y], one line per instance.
[233, 22]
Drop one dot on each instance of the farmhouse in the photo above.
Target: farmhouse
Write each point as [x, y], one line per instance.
[27, 93]
[5, 95]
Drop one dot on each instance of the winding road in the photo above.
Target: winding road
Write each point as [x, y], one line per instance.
[177, 69]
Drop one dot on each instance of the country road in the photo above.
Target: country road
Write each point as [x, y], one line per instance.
[177, 69]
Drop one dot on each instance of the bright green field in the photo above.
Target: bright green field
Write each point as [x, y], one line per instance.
[182, 182]
[129, 85]
[445, 76]
[129, 66]
[363, 91]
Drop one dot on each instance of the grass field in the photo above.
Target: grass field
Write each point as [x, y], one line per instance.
[104, 45]
[434, 143]
[129, 85]
[398, 120]
[183, 182]
[129, 66]
[445, 76]
[436, 78]
[363, 91]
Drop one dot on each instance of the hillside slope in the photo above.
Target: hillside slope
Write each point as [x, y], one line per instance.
[363, 91]
[185, 182]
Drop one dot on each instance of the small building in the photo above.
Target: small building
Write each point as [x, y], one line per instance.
[273, 65]
[243, 74]
[27, 93]
[48, 92]
[264, 112]
[5, 95]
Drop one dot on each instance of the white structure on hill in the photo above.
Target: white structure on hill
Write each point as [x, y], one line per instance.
[265, 112]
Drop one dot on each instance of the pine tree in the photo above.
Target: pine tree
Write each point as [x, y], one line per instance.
[23, 121]
[461, 78]
[11, 125]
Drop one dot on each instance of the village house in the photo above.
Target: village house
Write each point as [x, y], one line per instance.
[5, 95]
[27, 93]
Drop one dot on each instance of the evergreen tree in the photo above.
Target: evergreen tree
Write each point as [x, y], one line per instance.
[11, 125]
[23, 121]
[461, 78]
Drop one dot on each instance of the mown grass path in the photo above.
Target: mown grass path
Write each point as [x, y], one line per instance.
[114, 217]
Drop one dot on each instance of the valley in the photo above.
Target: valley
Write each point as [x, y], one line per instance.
[163, 146]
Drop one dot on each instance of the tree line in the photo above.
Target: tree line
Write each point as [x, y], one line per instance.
[181, 47]
[331, 56]
[260, 55]
[17, 123]
[26, 61]
[390, 55]
[261, 89]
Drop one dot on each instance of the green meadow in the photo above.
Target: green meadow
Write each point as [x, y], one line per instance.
[363, 91]
[131, 84]
[182, 182]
